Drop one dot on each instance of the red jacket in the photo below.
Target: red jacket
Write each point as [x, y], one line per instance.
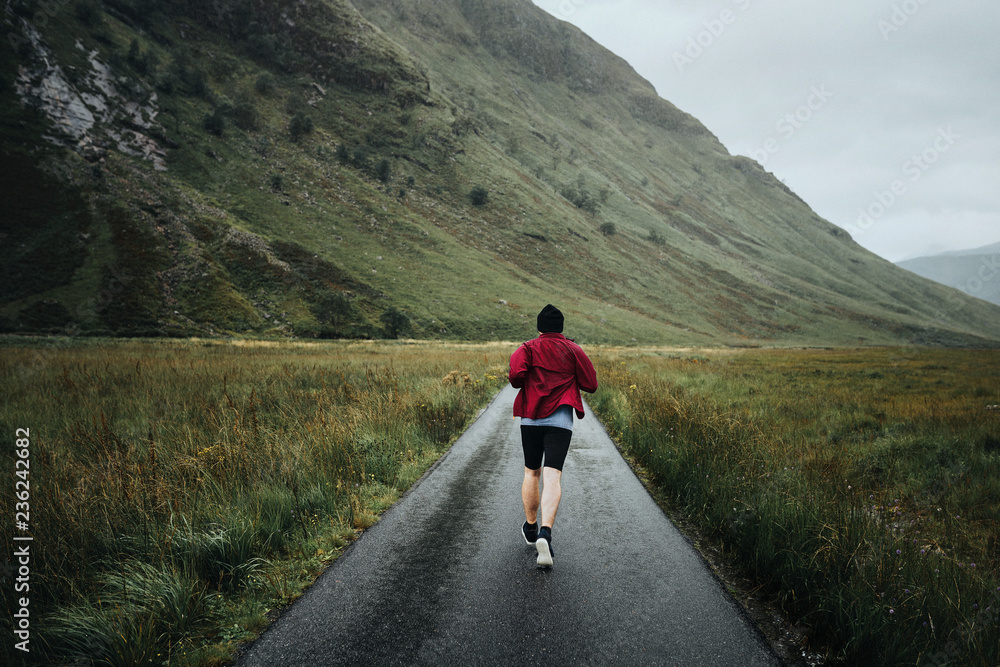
[550, 371]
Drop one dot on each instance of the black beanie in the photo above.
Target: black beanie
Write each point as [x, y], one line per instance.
[550, 320]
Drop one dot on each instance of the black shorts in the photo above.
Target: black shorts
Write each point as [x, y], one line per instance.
[548, 440]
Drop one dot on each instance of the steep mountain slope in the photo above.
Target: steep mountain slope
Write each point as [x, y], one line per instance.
[976, 272]
[441, 168]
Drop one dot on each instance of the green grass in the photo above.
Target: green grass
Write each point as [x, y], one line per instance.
[859, 489]
[182, 490]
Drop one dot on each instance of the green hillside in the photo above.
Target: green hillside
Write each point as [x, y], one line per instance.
[437, 170]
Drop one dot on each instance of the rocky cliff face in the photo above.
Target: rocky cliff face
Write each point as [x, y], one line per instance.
[92, 114]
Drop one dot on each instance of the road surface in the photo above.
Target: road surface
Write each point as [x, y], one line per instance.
[445, 578]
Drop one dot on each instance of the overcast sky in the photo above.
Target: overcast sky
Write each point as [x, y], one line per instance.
[883, 115]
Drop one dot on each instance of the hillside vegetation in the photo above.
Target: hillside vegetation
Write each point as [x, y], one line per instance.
[385, 169]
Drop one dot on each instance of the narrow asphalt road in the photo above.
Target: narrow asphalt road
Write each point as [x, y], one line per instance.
[445, 578]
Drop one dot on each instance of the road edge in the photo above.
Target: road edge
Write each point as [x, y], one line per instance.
[276, 613]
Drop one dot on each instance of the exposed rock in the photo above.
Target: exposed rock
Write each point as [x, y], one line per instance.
[81, 117]
[242, 239]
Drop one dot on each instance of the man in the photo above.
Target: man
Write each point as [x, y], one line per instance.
[550, 371]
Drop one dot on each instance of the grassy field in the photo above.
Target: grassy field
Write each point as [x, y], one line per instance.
[179, 491]
[859, 489]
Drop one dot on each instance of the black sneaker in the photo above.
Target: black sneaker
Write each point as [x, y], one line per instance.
[544, 546]
[530, 532]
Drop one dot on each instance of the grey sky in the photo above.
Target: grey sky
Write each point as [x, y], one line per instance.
[884, 115]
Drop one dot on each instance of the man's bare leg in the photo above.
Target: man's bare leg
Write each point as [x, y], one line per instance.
[551, 495]
[530, 495]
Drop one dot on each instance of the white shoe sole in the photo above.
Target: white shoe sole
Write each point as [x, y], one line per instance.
[544, 554]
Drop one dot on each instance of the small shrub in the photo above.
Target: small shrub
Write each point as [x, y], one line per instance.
[245, 116]
[265, 84]
[360, 157]
[336, 310]
[395, 322]
[88, 13]
[479, 196]
[608, 229]
[343, 154]
[214, 122]
[166, 82]
[295, 103]
[580, 197]
[300, 125]
[196, 82]
[133, 51]
[141, 61]
[383, 171]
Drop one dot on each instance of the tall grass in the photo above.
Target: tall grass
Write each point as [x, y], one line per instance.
[180, 490]
[860, 489]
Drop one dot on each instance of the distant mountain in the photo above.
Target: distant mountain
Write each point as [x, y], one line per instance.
[436, 169]
[976, 272]
[992, 249]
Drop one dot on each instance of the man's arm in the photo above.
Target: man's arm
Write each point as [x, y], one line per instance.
[519, 362]
[586, 376]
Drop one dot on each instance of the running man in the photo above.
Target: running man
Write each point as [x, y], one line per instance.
[550, 371]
